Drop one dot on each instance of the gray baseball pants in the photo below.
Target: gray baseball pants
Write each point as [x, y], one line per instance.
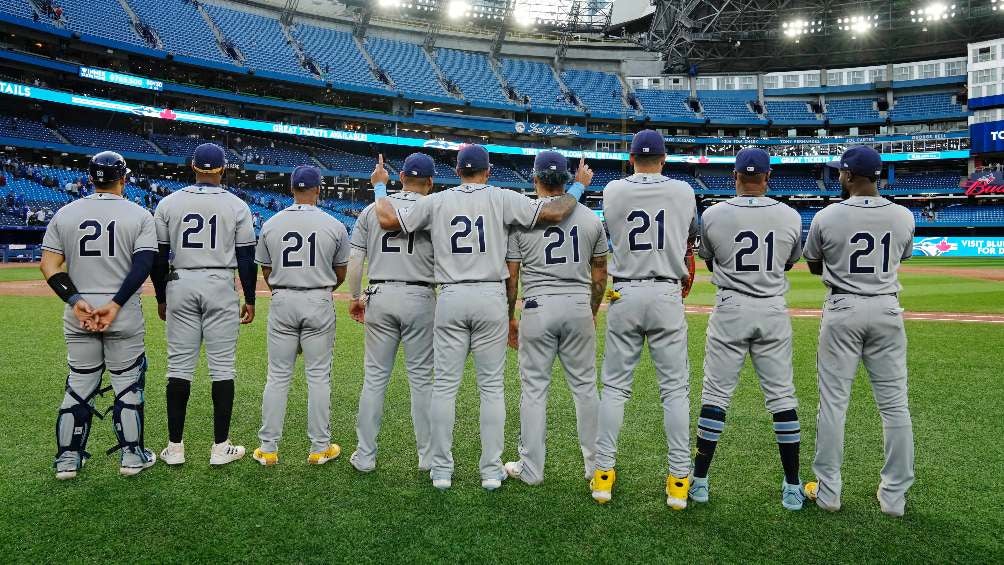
[470, 318]
[652, 311]
[202, 306]
[118, 349]
[556, 325]
[761, 327]
[869, 329]
[299, 319]
[396, 314]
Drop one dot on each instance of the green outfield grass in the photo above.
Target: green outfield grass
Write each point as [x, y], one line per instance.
[294, 512]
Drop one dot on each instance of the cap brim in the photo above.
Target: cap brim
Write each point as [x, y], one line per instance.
[834, 164]
[209, 171]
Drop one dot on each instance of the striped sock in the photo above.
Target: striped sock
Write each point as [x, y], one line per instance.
[788, 433]
[710, 425]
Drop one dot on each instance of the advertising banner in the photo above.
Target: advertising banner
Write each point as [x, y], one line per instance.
[958, 247]
[987, 137]
[119, 78]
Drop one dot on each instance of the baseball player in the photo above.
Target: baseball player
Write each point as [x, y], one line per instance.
[303, 253]
[749, 242]
[856, 246]
[107, 245]
[399, 308]
[564, 269]
[208, 233]
[468, 226]
[652, 222]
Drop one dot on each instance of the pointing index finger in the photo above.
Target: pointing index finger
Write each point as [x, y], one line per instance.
[380, 160]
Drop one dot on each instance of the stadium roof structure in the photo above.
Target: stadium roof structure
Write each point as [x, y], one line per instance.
[773, 35]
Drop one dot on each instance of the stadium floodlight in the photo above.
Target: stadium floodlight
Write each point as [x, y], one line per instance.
[934, 12]
[799, 27]
[995, 5]
[858, 25]
[521, 15]
[457, 9]
[389, 3]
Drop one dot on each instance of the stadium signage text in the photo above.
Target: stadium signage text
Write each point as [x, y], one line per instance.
[985, 182]
[59, 97]
[545, 130]
[987, 137]
[119, 78]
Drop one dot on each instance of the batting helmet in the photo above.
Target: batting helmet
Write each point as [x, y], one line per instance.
[107, 166]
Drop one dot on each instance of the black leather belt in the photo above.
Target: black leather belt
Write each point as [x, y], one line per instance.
[274, 288]
[618, 280]
[835, 290]
[409, 283]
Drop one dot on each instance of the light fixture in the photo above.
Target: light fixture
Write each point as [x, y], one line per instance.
[995, 5]
[799, 27]
[934, 12]
[858, 24]
[457, 9]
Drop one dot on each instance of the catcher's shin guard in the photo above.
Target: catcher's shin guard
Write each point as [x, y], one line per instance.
[73, 422]
[127, 411]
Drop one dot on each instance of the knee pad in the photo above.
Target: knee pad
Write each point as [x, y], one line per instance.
[79, 416]
[127, 410]
[711, 423]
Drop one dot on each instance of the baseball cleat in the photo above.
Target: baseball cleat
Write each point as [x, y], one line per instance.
[441, 484]
[792, 496]
[513, 469]
[699, 489]
[492, 484]
[226, 452]
[131, 470]
[174, 453]
[322, 457]
[266, 458]
[676, 492]
[602, 485]
[66, 475]
[887, 509]
[811, 491]
[354, 461]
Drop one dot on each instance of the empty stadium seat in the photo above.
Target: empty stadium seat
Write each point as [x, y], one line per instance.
[789, 110]
[472, 73]
[851, 109]
[337, 55]
[23, 128]
[934, 181]
[537, 81]
[105, 18]
[728, 105]
[259, 38]
[180, 26]
[925, 107]
[600, 92]
[665, 105]
[407, 65]
[107, 139]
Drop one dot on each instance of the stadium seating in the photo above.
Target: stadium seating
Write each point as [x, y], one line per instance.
[665, 105]
[337, 55]
[473, 74]
[926, 106]
[277, 156]
[789, 110]
[23, 128]
[180, 26]
[848, 110]
[728, 105]
[184, 145]
[339, 160]
[965, 214]
[407, 65]
[934, 181]
[18, 8]
[106, 139]
[259, 38]
[100, 17]
[600, 92]
[537, 81]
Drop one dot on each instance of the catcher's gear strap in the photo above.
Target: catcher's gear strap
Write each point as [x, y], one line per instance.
[134, 445]
[63, 286]
[81, 413]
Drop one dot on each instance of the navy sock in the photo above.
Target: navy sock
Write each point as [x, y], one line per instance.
[178, 391]
[223, 406]
[710, 425]
[789, 435]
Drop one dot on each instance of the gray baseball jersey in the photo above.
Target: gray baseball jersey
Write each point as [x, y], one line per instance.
[97, 237]
[556, 259]
[302, 245]
[751, 239]
[650, 218]
[861, 242]
[557, 321]
[468, 225]
[204, 224]
[394, 256]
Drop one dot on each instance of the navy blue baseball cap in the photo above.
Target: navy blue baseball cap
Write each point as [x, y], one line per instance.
[550, 161]
[419, 165]
[752, 160]
[648, 142]
[860, 160]
[473, 158]
[306, 176]
[209, 158]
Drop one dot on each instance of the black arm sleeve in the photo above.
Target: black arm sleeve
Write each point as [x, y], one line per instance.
[710, 264]
[247, 270]
[142, 263]
[63, 286]
[158, 273]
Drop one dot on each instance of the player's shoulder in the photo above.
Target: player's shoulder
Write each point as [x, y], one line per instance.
[902, 211]
[586, 214]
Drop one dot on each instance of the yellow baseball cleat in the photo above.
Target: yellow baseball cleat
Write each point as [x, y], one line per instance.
[332, 452]
[266, 458]
[602, 485]
[676, 492]
[811, 490]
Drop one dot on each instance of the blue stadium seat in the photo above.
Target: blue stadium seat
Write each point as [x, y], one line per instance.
[933, 181]
[473, 74]
[104, 18]
[184, 145]
[665, 105]
[728, 105]
[337, 55]
[926, 107]
[107, 139]
[23, 128]
[848, 110]
[180, 27]
[407, 65]
[259, 38]
[537, 81]
[600, 92]
[19, 8]
[789, 110]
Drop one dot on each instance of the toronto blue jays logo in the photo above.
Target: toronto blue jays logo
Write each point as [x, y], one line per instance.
[934, 246]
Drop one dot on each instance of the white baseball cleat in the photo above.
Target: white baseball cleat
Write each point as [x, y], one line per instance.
[174, 453]
[441, 484]
[492, 484]
[130, 470]
[226, 452]
[354, 461]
